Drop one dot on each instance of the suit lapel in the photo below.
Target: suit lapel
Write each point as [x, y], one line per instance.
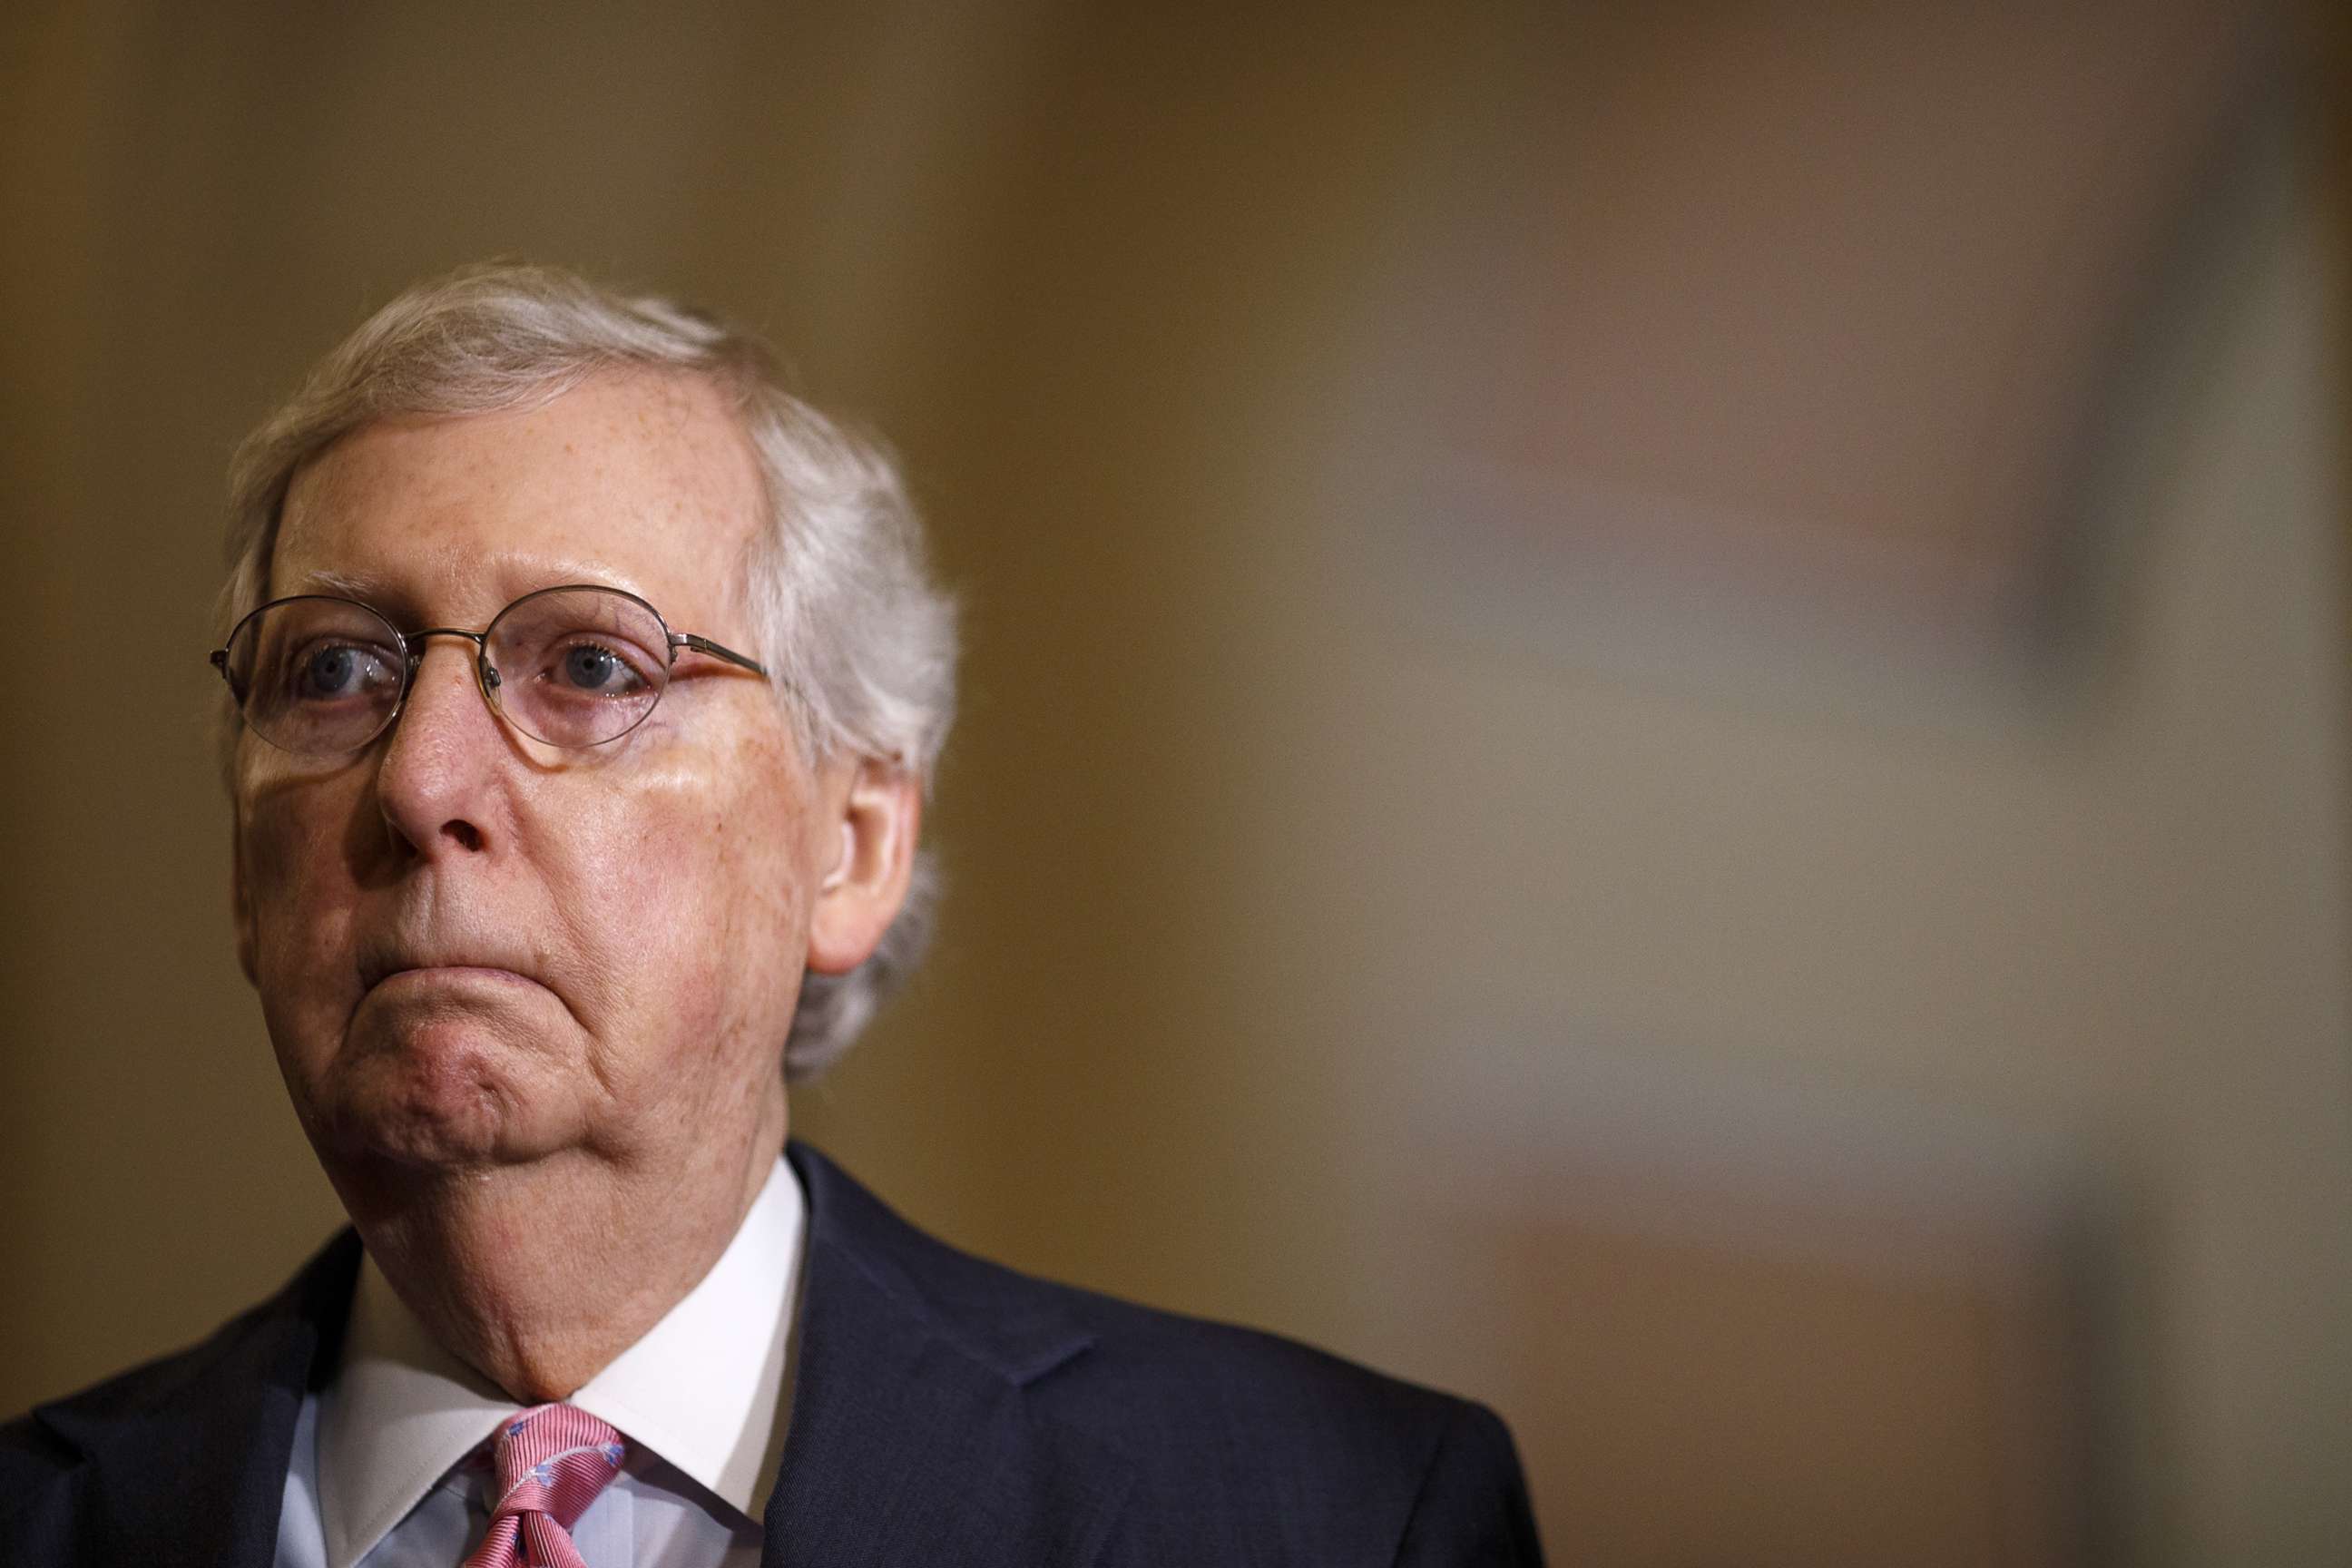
[911, 1437]
[185, 1463]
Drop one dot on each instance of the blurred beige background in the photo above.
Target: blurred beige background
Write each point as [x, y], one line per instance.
[1655, 712]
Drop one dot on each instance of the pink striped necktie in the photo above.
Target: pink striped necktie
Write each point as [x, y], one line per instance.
[551, 1462]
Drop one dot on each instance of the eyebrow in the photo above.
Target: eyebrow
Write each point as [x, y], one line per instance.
[514, 579]
[343, 582]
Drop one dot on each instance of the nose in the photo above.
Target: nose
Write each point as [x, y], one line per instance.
[437, 783]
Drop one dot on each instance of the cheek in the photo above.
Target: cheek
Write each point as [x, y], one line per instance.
[297, 878]
[708, 905]
[302, 901]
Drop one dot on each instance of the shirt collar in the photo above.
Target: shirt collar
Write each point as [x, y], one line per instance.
[402, 1410]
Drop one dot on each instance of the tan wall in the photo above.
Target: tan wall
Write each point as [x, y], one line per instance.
[1715, 1080]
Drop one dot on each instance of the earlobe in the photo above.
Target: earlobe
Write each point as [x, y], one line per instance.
[881, 813]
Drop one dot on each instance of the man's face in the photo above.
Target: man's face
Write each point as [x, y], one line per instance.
[473, 949]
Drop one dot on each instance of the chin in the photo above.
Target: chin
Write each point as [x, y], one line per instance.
[445, 1095]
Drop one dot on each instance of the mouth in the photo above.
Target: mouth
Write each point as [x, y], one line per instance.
[387, 967]
[427, 973]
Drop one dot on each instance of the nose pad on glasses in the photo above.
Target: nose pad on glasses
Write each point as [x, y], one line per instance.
[491, 679]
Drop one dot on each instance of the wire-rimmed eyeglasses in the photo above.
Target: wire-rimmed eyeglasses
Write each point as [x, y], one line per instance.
[574, 666]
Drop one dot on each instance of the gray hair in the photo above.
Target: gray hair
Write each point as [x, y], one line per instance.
[844, 612]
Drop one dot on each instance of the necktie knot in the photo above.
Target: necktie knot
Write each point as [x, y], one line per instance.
[550, 1462]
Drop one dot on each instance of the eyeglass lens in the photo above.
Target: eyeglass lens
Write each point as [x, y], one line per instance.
[572, 666]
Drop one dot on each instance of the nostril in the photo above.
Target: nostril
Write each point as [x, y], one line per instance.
[468, 835]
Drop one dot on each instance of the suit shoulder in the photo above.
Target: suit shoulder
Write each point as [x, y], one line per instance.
[1261, 1392]
[39, 1438]
[152, 1385]
[43, 1455]
[1029, 1327]
[1244, 1445]
[146, 1409]
[160, 1382]
[1149, 1352]
[1240, 1438]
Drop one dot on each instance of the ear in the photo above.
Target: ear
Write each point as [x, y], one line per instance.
[880, 813]
[240, 898]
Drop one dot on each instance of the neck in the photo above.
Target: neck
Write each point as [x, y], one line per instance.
[539, 1276]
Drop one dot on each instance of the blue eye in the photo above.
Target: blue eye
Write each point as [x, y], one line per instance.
[590, 668]
[336, 671]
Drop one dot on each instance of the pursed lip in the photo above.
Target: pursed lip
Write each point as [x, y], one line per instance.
[382, 965]
[456, 971]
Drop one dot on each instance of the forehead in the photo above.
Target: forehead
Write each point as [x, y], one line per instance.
[644, 481]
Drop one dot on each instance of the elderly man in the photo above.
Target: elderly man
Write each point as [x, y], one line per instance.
[587, 687]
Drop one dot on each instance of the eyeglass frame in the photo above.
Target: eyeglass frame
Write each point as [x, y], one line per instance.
[486, 678]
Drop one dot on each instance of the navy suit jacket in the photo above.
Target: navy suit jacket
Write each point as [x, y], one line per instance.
[945, 1411]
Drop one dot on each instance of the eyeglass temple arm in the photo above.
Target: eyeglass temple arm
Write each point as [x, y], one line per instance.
[219, 658]
[716, 650]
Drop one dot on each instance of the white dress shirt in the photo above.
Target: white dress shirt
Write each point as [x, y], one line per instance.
[701, 1401]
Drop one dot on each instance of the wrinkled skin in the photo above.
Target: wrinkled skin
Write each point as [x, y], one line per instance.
[530, 1004]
